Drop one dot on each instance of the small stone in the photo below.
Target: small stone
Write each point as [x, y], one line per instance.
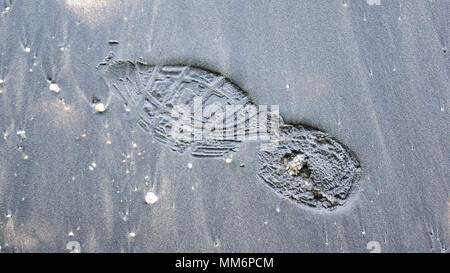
[132, 234]
[100, 107]
[54, 87]
[21, 134]
[151, 198]
[294, 167]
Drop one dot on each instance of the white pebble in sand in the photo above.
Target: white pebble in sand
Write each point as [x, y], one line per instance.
[21, 134]
[54, 87]
[100, 107]
[151, 198]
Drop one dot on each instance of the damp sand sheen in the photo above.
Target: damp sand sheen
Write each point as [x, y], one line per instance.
[304, 165]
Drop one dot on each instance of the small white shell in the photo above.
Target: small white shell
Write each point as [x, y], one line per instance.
[151, 198]
[54, 87]
[100, 107]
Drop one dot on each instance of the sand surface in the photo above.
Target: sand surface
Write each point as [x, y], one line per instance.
[372, 74]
